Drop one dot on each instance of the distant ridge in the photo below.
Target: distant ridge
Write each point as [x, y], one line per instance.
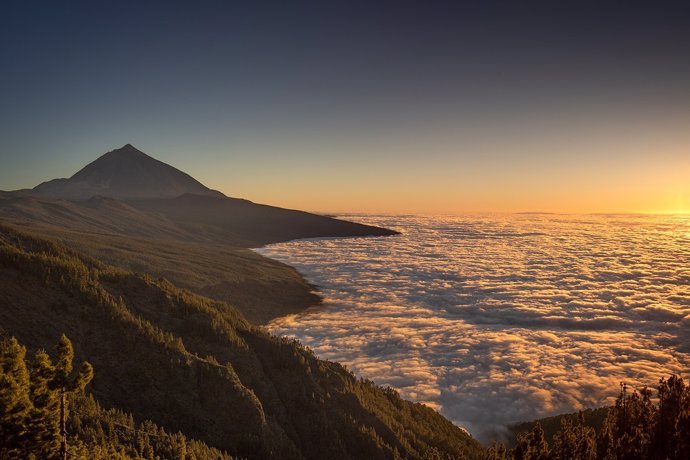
[124, 173]
[126, 192]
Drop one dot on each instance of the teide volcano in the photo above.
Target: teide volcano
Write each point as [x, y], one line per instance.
[124, 173]
[126, 192]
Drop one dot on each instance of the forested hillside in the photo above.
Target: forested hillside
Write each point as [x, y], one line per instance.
[38, 396]
[259, 287]
[642, 425]
[593, 418]
[139, 214]
[196, 366]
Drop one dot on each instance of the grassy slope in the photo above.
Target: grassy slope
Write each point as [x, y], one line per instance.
[207, 219]
[261, 288]
[195, 365]
[249, 224]
[198, 243]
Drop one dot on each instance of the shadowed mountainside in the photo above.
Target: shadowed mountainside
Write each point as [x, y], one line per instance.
[195, 239]
[191, 364]
[126, 192]
[246, 223]
[261, 288]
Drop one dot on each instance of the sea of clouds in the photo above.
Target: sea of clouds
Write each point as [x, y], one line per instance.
[495, 319]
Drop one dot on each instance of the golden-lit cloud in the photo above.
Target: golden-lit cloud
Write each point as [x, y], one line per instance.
[495, 319]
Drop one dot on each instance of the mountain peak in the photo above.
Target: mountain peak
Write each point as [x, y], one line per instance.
[125, 173]
[127, 151]
[128, 148]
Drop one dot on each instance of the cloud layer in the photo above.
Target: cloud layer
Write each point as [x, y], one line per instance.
[498, 319]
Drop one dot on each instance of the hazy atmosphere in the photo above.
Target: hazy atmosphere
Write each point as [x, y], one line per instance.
[360, 106]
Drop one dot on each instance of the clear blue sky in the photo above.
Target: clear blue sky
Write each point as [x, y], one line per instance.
[371, 106]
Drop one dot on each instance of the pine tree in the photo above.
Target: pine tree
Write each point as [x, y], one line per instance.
[574, 442]
[45, 416]
[629, 427]
[495, 452]
[672, 432]
[565, 442]
[586, 439]
[538, 447]
[33, 405]
[65, 381]
[15, 401]
[531, 445]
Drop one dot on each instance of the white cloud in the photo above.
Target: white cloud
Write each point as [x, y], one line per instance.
[494, 320]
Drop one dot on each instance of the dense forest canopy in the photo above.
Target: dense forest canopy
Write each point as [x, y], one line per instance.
[31, 415]
[196, 366]
[37, 396]
[641, 425]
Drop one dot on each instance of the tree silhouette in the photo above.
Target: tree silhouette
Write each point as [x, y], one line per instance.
[672, 433]
[628, 428]
[33, 402]
[496, 452]
[15, 402]
[637, 427]
[532, 445]
[65, 381]
[575, 442]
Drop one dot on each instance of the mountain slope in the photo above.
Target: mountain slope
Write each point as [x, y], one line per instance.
[97, 215]
[246, 223]
[126, 192]
[194, 365]
[196, 241]
[124, 173]
[261, 288]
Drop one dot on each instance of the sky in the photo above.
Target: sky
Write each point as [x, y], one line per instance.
[381, 107]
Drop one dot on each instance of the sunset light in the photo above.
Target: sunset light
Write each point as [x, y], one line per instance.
[355, 230]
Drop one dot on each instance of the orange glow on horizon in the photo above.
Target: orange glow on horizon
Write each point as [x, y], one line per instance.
[621, 169]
